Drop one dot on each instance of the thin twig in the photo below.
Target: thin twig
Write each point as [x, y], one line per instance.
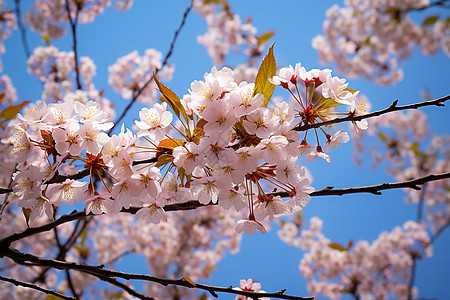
[375, 189]
[166, 58]
[193, 204]
[73, 25]
[415, 257]
[393, 107]
[23, 32]
[437, 102]
[63, 249]
[98, 271]
[35, 287]
[125, 287]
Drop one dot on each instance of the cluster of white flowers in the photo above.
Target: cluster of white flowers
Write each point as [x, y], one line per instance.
[367, 38]
[410, 153]
[7, 25]
[228, 149]
[47, 16]
[225, 31]
[366, 270]
[131, 72]
[191, 242]
[55, 69]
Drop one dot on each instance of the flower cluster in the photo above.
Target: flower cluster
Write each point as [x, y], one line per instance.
[132, 72]
[7, 91]
[227, 148]
[191, 243]
[410, 153]
[367, 38]
[366, 270]
[42, 244]
[47, 16]
[225, 31]
[251, 286]
[7, 24]
[55, 69]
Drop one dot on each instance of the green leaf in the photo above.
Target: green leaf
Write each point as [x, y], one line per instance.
[26, 212]
[337, 246]
[83, 236]
[382, 136]
[265, 37]
[267, 70]
[172, 99]
[53, 297]
[430, 20]
[163, 160]
[415, 148]
[181, 173]
[11, 111]
[189, 280]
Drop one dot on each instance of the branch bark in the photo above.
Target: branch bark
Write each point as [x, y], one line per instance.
[73, 24]
[166, 58]
[35, 287]
[99, 272]
[393, 107]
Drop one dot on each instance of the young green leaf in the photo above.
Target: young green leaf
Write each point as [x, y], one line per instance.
[163, 160]
[172, 99]
[11, 111]
[265, 37]
[430, 20]
[267, 70]
[337, 246]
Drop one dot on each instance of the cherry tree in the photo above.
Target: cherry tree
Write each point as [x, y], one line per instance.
[180, 177]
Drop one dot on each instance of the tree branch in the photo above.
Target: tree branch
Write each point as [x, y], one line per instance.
[35, 287]
[99, 272]
[194, 204]
[73, 25]
[392, 108]
[23, 32]
[166, 58]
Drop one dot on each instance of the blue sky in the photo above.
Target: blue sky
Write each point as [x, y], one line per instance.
[151, 24]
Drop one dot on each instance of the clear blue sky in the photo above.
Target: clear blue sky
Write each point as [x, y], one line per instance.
[151, 24]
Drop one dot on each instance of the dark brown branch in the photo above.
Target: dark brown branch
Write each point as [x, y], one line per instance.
[375, 189]
[23, 32]
[35, 287]
[99, 272]
[189, 205]
[437, 102]
[392, 108]
[125, 287]
[61, 178]
[415, 257]
[73, 25]
[166, 59]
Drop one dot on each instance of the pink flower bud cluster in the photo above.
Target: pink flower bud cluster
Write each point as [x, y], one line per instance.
[191, 243]
[228, 149]
[411, 153]
[7, 90]
[55, 69]
[48, 16]
[367, 38]
[131, 72]
[377, 270]
[7, 25]
[225, 31]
